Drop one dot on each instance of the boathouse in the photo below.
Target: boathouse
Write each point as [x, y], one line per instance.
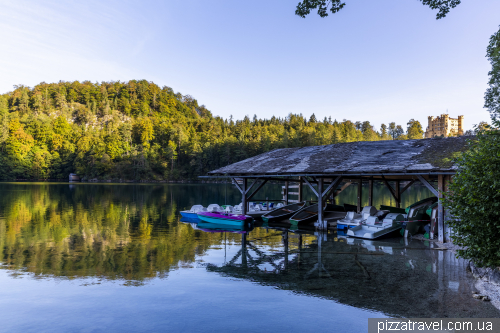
[329, 169]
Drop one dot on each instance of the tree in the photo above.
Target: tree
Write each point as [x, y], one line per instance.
[312, 119]
[396, 131]
[474, 194]
[492, 96]
[473, 201]
[304, 8]
[399, 133]
[415, 130]
[178, 139]
[384, 135]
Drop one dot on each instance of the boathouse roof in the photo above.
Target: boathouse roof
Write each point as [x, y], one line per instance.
[424, 156]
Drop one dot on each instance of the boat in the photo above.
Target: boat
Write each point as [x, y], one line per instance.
[353, 219]
[418, 216]
[190, 220]
[256, 210]
[310, 214]
[393, 209]
[432, 211]
[350, 208]
[283, 212]
[193, 212]
[225, 218]
[373, 228]
[216, 227]
[214, 208]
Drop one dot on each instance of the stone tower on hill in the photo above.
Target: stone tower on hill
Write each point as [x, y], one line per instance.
[444, 126]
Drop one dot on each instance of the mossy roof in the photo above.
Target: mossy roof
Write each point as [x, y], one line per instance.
[395, 156]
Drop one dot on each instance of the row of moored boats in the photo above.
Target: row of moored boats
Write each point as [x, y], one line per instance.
[370, 223]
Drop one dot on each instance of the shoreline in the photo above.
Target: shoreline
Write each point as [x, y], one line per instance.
[114, 181]
[487, 279]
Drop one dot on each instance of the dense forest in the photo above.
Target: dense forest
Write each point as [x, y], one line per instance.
[139, 131]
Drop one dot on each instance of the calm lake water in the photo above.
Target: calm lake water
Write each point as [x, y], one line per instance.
[116, 257]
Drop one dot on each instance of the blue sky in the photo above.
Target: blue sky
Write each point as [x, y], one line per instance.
[381, 61]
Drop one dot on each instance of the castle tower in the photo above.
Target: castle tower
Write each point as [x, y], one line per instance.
[444, 126]
[460, 125]
[429, 129]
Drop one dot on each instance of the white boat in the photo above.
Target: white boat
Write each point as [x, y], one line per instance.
[256, 209]
[192, 213]
[214, 208]
[354, 219]
[373, 228]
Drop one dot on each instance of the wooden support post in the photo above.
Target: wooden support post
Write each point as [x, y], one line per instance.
[370, 191]
[300, 189]
[440, 216]
[286, 193]
[322, 224]
[244, 194]
[360, 194]
[398, 194]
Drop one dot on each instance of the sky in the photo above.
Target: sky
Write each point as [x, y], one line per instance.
[380, 61]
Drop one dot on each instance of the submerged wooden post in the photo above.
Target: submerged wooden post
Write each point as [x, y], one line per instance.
[244, 199]
[244, 250]
[370, 191]
[285, 241]
[398, 194]
[440, 216]
[300, 189]
[360, 189]
[320, 204]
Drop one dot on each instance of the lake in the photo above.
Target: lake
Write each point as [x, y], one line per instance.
[115, 257]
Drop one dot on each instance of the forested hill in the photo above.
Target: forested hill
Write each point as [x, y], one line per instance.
[137, 130]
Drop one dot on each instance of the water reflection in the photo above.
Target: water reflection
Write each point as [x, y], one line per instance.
[133, 234]
[401, 278]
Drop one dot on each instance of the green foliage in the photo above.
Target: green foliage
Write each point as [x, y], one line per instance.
[474, 198]
[474, 201]
[415, 130]
[492, 96]
[304, 8]
[137, 130]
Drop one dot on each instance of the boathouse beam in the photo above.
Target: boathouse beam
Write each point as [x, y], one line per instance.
[312, 187]
[346, 185]
[322, 224]
[244, 196]
[256, 180]
[235, 182]
[333, 185]
[264, 181]
[390, 188]
[407, 186]
[428, 185]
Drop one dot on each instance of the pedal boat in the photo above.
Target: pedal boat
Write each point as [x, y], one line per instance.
[225, 218]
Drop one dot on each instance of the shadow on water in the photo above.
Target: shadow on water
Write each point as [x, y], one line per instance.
[133, 234]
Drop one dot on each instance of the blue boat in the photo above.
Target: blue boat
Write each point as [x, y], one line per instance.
[190, 219]
[215, 227]
[225, 218]
[193, 212]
